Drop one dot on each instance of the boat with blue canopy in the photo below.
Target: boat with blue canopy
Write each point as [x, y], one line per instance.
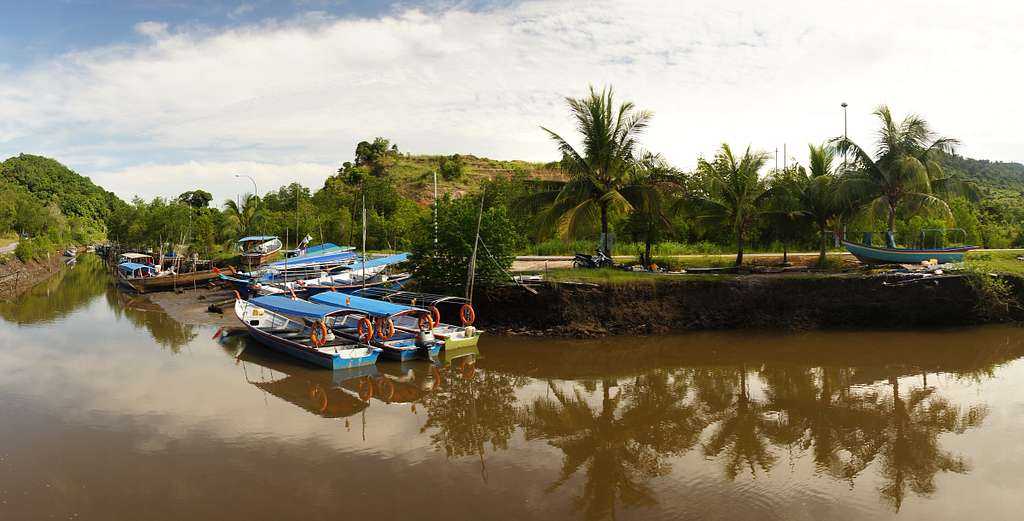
[370, 273]
[298, 328]
[399, 343]
[440, 306]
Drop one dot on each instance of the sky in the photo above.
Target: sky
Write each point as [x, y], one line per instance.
[156, 97]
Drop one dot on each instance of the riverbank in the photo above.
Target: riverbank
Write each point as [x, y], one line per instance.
[17, 277]
[780, 301]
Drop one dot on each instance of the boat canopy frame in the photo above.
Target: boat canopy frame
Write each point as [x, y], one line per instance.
[408, 298]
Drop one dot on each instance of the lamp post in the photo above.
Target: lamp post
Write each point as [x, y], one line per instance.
[255, 190]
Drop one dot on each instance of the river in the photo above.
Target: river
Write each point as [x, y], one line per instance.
[111, 410]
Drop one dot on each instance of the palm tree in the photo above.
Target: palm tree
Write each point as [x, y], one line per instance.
[813, 192]
[905, 172]
[599, 173]
[734, 192]
[243, 217]
[656, 185]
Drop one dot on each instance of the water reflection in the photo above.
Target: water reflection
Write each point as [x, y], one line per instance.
[746, 425]
[60, 295]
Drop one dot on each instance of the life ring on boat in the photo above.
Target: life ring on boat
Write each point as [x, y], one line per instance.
[387, 389]
[237, 295]
[437, 377]
[365, 329]
[466, 314]
[318, 334]
[385, 328]
[216, 270]
[435, 314]
[468, 370]
[425, 322]
[365, 388]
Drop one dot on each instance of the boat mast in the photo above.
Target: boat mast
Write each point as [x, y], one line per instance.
[471, 276]
[364, 240]
[435, 209]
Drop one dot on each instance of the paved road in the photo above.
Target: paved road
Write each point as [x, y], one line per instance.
[9, 248]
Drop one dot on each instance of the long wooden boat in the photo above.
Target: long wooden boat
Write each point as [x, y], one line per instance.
[875, 255]
[174, 280]
[454, 336]
[398, 344]
[258, 249]
[296, 338]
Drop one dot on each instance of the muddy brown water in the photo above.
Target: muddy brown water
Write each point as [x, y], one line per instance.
[111, 410]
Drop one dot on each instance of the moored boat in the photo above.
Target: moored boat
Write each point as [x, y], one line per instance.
[273, 323]
[257, 249]
[454, 337]
[398, 343]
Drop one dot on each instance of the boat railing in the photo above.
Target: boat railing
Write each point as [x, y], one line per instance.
[941, 237]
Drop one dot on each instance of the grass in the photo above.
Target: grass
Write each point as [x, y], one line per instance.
[1002, 262]
[413, 174]
[8, 238]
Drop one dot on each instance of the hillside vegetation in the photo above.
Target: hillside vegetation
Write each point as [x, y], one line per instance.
[50, 205]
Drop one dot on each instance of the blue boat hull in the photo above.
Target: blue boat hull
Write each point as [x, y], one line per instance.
[294, 350]
[873, 255]
[404, 355]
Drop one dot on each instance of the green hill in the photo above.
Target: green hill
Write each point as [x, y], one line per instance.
[413, 174]
[49, 181]
[988, 174]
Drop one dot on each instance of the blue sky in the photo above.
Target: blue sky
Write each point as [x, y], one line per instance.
[158, 97]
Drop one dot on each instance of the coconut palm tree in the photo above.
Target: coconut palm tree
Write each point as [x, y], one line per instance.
[655, 185]
[734, 192]
[813, 192]
[599, 173]
[243, 217]
[905, 171]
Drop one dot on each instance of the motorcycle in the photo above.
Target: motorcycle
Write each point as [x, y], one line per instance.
[598, 260]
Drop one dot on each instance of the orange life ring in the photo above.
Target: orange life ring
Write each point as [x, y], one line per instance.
[435, 314]
[387, 389]
[365, 329]
[468, 370]
[426, 322]
[385, 328]
[237, 295]
[467, 315]
[365, 388]
[215, 270]
[318, 334]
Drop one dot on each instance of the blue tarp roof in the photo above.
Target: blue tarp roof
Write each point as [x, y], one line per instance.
[306, 260]
[381, 261]
[372, 307]
[132, 266]
[294, 308]
[257, 238]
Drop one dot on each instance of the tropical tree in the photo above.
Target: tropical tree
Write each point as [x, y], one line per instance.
[905, 171]
[657, 186]
[243, 217]
[813, 192]
[734, 193]
[599, 173]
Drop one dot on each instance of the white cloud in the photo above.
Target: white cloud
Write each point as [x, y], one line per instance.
[303, 92]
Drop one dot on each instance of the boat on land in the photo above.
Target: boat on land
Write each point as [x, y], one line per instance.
[389, 323]
[891, 254]
[171, 279]
[369, 273]
[257, 249]
[454, 337]
[297, 328]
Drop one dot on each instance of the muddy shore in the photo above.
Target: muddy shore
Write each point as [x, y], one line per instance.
[763, 302]
[757, 302]
[17, 277]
